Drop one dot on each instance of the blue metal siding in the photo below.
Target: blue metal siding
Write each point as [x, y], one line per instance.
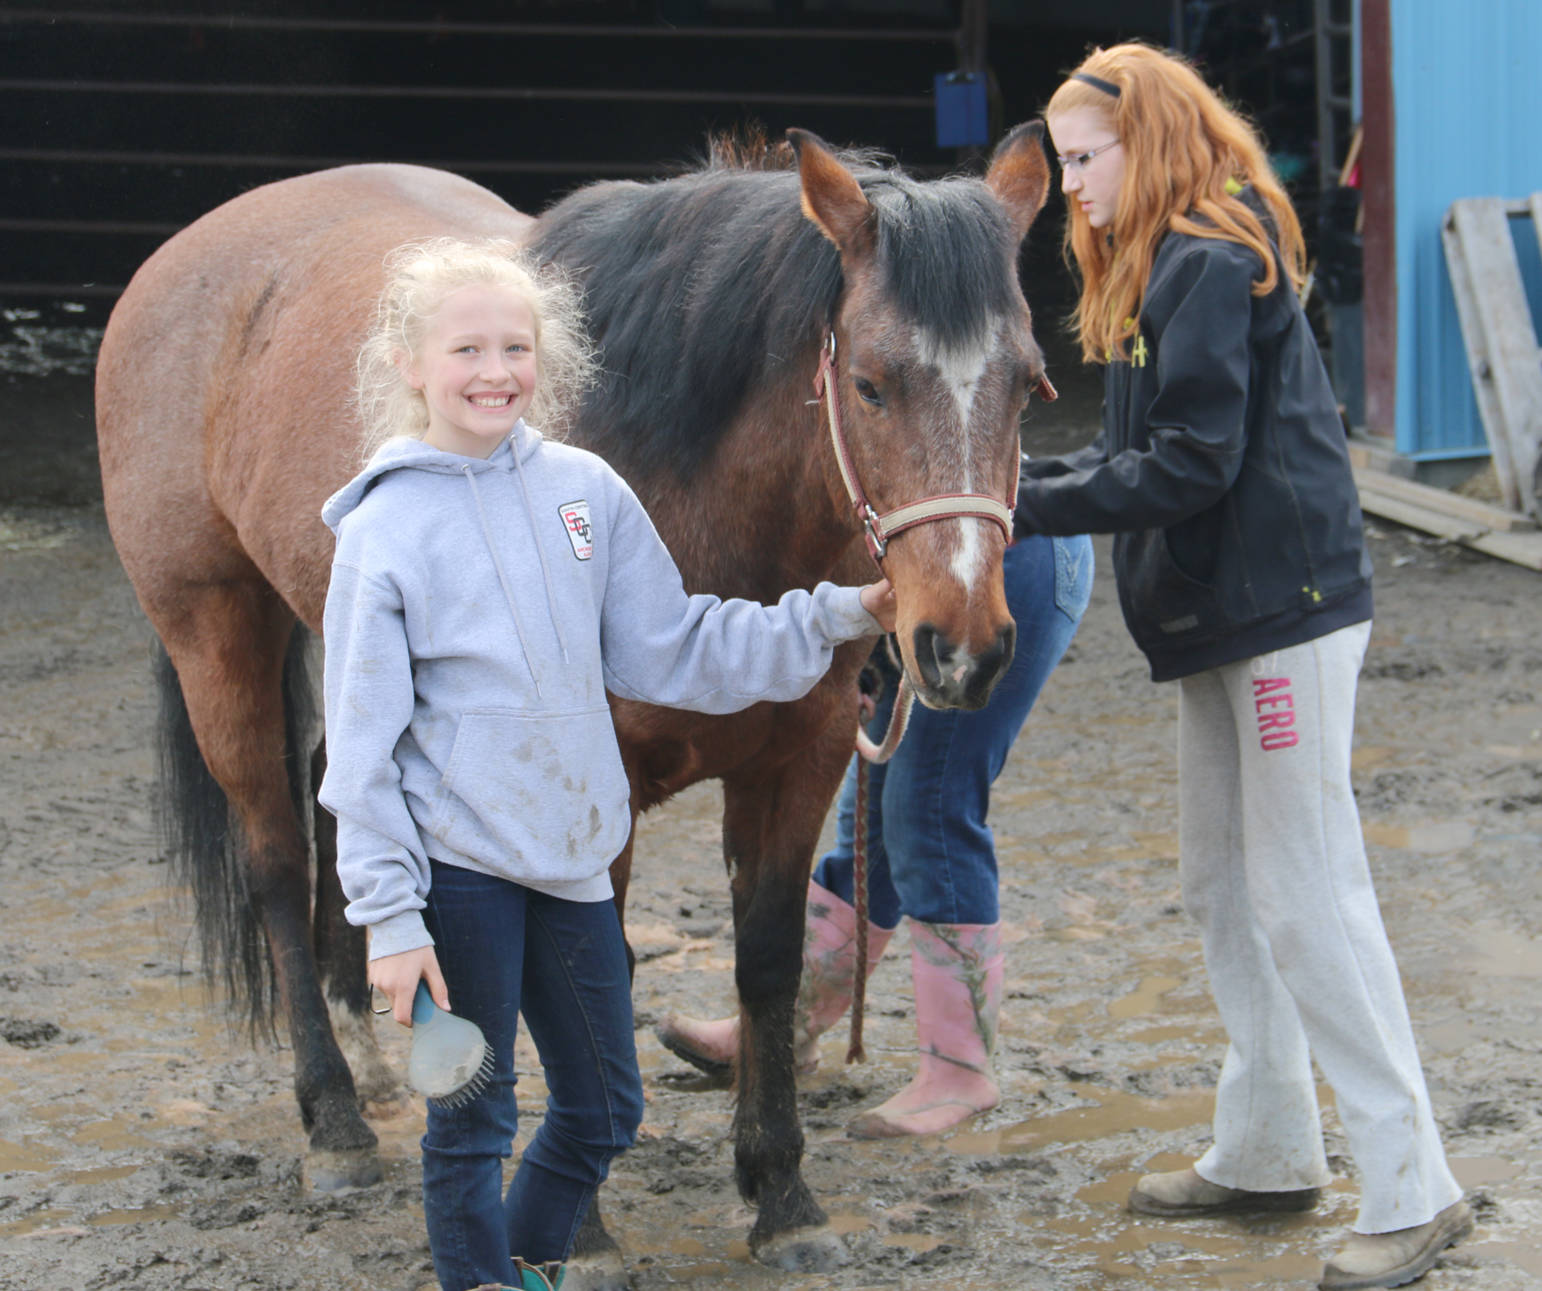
[1468, 102]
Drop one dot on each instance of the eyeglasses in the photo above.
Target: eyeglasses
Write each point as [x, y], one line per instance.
[1079, 160]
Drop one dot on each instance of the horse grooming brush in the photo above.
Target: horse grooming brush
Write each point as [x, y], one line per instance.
[450, 1062]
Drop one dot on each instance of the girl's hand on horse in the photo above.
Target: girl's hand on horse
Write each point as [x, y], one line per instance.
[396, 977]
[878, 600]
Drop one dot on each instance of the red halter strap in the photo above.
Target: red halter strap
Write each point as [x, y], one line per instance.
[878, 529]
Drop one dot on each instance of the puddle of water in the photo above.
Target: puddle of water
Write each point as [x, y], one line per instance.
[1474, 1172]
[1195, 1034]
[109, 1135]
[846, 1223]
[1367, 756]
[1521, 1256]
[137, 1215]
[105, 1174]
[1221, 1262]
[1517, 752]
[1433, 838]
[25, 1158]
[1113, 1189]
[1213, 1256]
[1278, 1250]
[41, 1223]
[705, 1273]
[916, 1242]
[1498, 952]
[1112, 1112]
[1145, 998]
[1453, 1035]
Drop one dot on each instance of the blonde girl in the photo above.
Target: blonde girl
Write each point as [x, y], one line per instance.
[490, 587]
[1223, 470]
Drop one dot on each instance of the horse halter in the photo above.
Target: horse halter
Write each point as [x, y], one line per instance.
[878, 529]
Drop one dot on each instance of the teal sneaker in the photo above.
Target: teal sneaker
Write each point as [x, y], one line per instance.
[538, 1277]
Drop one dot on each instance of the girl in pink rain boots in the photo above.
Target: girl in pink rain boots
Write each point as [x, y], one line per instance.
[931, 858]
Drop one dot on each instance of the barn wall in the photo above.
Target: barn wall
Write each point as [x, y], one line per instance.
[1468, 108]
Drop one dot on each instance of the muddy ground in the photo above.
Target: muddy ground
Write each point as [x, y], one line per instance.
[142, 1146]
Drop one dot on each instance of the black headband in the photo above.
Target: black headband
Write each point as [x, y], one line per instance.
[1097, 83]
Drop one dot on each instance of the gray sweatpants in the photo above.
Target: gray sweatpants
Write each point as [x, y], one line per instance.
[1274, 870]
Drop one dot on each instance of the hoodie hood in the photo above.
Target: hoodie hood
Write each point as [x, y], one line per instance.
[405, 453]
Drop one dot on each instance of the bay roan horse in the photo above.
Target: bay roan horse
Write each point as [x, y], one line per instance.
[224, 419]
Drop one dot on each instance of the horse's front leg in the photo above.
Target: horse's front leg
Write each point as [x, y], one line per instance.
[771, 824]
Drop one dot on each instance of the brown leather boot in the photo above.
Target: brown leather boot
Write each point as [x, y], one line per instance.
[1391, 1259]
[1178, 1194]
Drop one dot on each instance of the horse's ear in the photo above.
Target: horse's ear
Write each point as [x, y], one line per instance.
[1019, 174]
[832, 198]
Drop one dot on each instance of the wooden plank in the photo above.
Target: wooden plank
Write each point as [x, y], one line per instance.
[1414, 516]
[1484, 515]
[1508, 341]
[1475, 340]
[1518, 547]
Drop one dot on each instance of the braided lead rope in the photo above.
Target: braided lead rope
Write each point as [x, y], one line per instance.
[854, 1050]
[869, 753]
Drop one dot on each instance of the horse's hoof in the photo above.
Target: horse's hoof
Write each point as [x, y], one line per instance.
[600, 1271]
[803, 1250]
[334, 1172]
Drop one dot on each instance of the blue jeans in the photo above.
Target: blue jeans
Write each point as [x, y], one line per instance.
[931, 855]
[507, 950]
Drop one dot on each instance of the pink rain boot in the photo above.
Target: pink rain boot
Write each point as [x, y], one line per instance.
[824, 993]
[957, 970]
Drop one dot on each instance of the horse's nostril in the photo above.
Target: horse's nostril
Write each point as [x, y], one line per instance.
[991, 667]
[925, 645]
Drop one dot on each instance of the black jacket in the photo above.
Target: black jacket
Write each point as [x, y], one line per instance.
[1223, 469]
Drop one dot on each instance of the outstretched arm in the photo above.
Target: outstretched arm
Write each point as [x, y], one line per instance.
[1195, 428]
[665, 646]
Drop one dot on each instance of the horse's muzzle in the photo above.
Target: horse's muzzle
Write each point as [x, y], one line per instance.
[952, 678]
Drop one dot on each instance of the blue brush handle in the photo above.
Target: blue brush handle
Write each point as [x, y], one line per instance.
[423, 1006]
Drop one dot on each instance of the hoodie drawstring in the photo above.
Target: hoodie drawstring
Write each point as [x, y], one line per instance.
[503, 582]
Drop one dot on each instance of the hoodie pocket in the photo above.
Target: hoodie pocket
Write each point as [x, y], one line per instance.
[1161, 601]
[541, 794]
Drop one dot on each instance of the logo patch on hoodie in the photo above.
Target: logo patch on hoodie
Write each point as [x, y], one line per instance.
[575, 521]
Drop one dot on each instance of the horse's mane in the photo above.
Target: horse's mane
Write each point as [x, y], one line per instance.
[706, 289]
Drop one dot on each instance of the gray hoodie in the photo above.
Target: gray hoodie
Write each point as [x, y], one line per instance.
[478, 612]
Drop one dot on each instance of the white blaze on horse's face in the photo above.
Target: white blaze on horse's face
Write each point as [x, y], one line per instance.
[961, 371]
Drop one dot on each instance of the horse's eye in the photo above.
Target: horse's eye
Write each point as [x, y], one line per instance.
[869, 392]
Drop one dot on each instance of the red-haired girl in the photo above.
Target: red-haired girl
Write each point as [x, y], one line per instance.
[1223, 470]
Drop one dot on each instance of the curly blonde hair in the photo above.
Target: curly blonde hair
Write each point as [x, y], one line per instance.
[419, 276]
[1187, 150]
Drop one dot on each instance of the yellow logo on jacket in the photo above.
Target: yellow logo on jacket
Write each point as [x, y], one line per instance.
[1138, 350]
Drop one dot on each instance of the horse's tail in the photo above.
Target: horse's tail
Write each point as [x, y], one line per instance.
[204, 845]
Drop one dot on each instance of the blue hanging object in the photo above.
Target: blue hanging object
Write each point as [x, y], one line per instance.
[962, 114]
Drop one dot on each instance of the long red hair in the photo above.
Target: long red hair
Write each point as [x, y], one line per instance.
[1186, 154]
